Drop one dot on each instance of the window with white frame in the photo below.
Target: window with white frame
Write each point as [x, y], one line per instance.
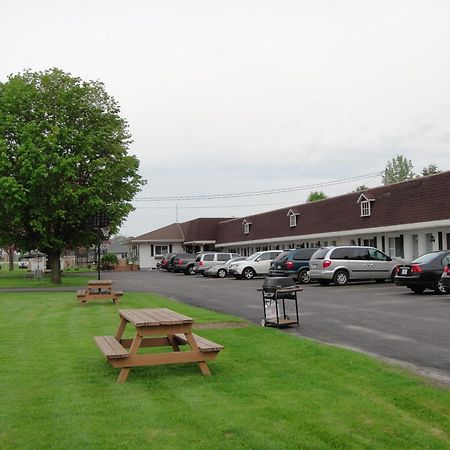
[161, 250]
[246, 227]
[365, 208]
[292, 220]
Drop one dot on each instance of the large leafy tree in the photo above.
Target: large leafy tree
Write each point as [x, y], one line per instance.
[63, 159]
[398, 169]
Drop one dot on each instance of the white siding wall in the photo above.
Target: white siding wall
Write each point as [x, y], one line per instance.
[147, 261]
[424, 242]
[145, 257]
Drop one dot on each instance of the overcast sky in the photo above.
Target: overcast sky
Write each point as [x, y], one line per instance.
[243, 96]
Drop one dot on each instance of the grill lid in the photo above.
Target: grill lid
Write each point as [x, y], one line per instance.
[277, 282]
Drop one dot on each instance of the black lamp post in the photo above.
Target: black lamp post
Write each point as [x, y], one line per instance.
[100, 222]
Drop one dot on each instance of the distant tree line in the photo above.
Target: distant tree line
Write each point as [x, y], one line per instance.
[401, 169]
[397, 169]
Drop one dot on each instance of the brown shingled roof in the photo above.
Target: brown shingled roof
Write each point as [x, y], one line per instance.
[420, 200]
[200, 229]
[172, 233]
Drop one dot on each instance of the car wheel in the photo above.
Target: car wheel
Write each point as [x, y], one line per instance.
[303, 277]
[248, 273]
[324, 282]
[394, 272]
[439, 288]
[417, 290]
[340, 278]
[189, 270]
[221, 273]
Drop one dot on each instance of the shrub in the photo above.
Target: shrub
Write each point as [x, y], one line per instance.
[109, 260]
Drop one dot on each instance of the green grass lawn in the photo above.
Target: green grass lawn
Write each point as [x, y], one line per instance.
[16, 279]
[268, 390]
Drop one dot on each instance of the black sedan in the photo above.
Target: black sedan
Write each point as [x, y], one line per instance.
[424, 272]
[446, 278]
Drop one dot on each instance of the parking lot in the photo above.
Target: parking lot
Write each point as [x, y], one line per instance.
[380, 319]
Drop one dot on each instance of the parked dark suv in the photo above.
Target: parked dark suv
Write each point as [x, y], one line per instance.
[293, 263]
[184, 262]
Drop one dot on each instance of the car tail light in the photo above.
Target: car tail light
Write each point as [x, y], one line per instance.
[200, 263]
[288, 265]
[415, 268]
[397, 269]
[446, 269]
[180, 261]
[326, 264]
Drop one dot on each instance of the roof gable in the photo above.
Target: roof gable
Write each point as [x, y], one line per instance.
[363, 198]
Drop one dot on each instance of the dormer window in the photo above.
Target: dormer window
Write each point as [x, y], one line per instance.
[365, 208]
[246, 226]
[365, 205]
[292, 218]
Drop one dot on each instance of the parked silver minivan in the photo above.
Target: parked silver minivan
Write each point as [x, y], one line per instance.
[341, 264]
[209, 259]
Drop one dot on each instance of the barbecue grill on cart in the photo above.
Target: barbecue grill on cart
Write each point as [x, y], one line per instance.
[280, 305]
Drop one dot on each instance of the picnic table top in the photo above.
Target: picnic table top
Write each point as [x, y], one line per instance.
[99, 282]
[154, 317]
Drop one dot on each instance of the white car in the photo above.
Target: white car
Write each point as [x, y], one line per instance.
[256, 264]
[221, 270]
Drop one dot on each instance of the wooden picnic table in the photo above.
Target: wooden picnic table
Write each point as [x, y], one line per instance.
[156, 327]
[98, 289]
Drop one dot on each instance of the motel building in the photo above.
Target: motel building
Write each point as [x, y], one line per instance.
[403, 220]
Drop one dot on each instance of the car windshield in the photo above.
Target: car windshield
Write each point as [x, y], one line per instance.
[233, 260]
[254, 256]
[282, 256]
[424, 259]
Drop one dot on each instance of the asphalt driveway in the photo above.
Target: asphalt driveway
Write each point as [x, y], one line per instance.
[379, 319]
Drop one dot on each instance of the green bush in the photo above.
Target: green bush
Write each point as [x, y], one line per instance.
[109, 260]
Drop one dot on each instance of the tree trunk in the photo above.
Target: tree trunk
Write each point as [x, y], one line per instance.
[10, 252]
[55, 266]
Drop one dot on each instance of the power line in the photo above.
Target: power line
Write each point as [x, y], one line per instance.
[213, 207]
[256, 193]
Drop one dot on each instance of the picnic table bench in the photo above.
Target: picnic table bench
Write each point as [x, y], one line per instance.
[98, 289]
[34, 274]
[156, 327]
